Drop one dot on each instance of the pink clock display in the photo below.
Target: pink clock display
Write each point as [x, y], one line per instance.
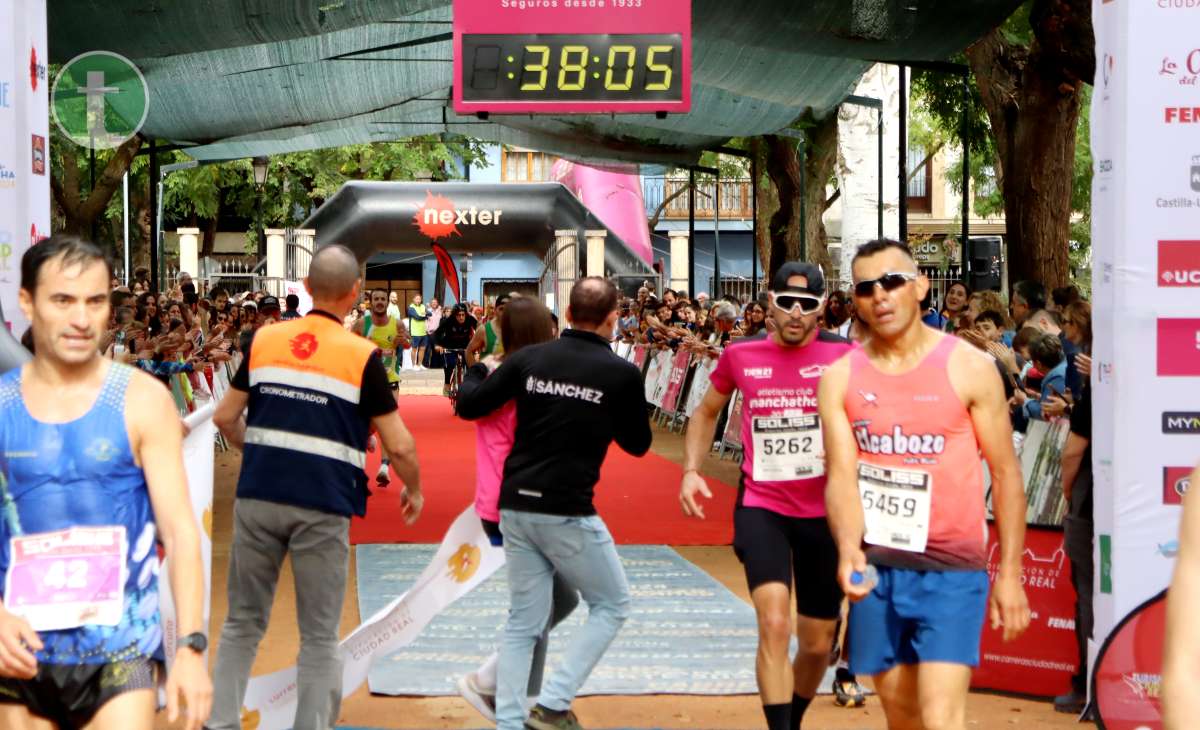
[619, 56]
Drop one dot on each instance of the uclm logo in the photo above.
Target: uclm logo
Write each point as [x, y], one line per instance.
[1178, 263]
[438, 218]
[1179, 347]
[1176, 480]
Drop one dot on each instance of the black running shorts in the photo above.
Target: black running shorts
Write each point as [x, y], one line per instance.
[780, 549]
[70, 694]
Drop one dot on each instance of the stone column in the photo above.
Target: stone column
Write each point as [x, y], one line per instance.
[679, 261]
[595, 252]
[306, 240]
[566, 268]
[189, 252]
[276, 262]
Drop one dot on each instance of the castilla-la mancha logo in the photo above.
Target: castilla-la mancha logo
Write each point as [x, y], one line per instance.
[438, 218]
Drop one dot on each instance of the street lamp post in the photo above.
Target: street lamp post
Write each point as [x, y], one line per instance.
[260, 165]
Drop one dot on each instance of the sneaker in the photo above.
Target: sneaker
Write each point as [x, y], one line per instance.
[383, 477]
[1070, 703]
[847, 692]
[484, 704]
[541, 718]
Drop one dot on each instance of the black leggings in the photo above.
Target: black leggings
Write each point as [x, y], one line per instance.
[451, 361]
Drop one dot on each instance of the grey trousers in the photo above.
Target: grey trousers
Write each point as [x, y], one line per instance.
[263, 533]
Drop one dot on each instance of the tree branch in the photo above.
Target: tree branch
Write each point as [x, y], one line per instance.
[110, 179]
[1064, 38]
[653, 222]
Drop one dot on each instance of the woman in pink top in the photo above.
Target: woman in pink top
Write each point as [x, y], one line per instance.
[523, 322]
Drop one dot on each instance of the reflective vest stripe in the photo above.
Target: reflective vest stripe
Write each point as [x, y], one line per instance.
[328, 448]
[308, 380]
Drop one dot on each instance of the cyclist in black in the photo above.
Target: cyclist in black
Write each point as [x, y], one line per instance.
[452, 338]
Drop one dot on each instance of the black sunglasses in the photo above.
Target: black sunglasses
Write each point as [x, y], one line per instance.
[890, 281]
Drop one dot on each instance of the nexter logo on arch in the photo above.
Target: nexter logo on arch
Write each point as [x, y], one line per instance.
[438, 218]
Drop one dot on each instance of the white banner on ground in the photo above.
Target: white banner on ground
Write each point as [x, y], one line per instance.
[198, 464]
[465, 559]
[1146, 270]
[24, 144]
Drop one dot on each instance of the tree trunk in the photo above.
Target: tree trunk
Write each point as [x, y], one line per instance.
[783, 167]
[79, 212]
[1032, 96]
[766, 203]
[820, 158]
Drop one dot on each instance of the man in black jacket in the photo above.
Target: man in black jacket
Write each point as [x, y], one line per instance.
[574, 397]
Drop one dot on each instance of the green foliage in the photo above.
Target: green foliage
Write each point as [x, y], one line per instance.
[936, 119]
[297, 182]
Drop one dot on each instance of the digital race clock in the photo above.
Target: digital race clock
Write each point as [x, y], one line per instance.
[572, 56]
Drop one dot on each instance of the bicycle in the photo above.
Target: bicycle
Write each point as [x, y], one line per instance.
[456, 377]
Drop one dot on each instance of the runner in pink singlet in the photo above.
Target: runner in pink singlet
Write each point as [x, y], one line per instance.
[906, 421]
[780, 532]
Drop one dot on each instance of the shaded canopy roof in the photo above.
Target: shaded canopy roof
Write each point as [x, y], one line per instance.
[369, 216]
[239, 79]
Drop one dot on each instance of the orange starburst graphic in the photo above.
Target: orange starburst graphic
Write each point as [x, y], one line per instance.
[436, 217]
[464, 563]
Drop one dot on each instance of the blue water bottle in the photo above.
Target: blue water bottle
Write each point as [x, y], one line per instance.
[865, 578]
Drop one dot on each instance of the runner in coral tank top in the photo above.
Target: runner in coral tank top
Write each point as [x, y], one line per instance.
[907, 419]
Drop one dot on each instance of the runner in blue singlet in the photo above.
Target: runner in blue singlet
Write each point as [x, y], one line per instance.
[91, 477]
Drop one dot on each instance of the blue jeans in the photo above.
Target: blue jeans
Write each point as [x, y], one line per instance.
[582, 552]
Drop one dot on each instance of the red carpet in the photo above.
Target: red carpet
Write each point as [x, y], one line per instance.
[638, 498]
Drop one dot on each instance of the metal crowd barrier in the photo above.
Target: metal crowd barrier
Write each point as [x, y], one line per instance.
[675, 383]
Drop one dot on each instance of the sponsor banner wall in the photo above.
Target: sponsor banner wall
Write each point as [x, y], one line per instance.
[1145, 128]
[24, 144]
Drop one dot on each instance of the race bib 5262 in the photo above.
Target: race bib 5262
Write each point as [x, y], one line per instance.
[786, 448]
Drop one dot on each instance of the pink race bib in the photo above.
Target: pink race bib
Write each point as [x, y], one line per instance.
[68, 578]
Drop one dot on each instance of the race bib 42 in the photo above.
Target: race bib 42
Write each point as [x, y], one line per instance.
[68, 578]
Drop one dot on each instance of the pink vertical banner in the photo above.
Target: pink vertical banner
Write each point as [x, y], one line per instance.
[614, 194]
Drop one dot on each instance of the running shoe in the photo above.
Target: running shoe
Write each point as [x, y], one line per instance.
[847, 692]
[1071, 703]
[484, 703]
[383, 477]
[541, 718]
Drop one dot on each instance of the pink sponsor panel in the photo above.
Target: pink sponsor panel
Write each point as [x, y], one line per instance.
[679, 368]
[614, 194]
[572, 56]
[1179, 347]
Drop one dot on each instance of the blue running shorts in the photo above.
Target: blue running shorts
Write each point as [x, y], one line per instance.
[915, 616]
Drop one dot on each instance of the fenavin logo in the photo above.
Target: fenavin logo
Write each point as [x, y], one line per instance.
[1181, 422]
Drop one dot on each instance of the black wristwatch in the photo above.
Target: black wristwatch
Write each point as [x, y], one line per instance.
[197, 642]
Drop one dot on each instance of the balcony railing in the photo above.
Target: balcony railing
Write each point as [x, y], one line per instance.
[736, 198]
